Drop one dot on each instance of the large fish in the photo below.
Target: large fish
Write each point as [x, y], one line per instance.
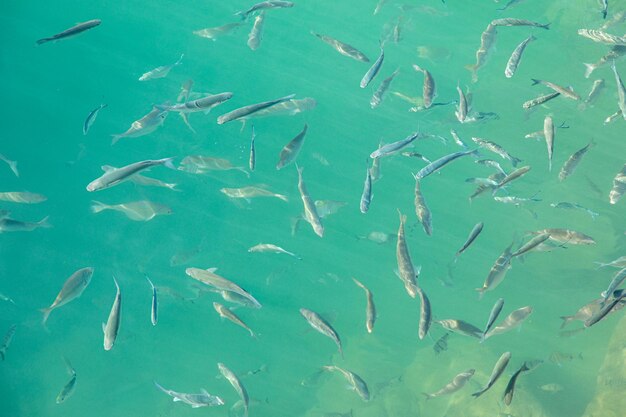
[23, 197]
[355, 382]
[112, 326]
[425, 314]
[572, 162]
[406, 270]
[251, 192]
[237, 385]
[147, 124]
[204, 399]
[141, 211]
[343, 48]
[72, 289]
[115, 176]
[497, 273]
[374, 69]
[209, 277]
[511, 321]
[247, 111]
[497, 371]
[322, 326]
[394, 147]
[310, 210]
[621, 91]
[565, 92]
[74, 30]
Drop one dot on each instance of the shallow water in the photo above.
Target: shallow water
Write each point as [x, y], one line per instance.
[50, 89]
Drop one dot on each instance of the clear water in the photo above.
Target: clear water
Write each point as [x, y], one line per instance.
[49, 90]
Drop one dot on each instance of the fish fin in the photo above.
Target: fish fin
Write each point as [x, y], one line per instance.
[46, 313]
[186, 121]
[44, 222]
[168, 163]
[481, 292]
[589, 68]
[107, 168]
[97, 207]
[283, 197]
[13, 166]
[211, 269]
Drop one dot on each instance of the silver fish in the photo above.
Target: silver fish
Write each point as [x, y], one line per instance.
[531, 244]
[140, 211]
[497, 149]
[70, 386]
[460, 327]
[492, 164]
[356, 382]
[378, 95]
[456, 384]
[493, 316]
[237, 385]
[366, 195]
[251, 192]
[160, 72]
[204, 104]
[616, 52]
[154, 307]
[602, 37]
[289, 107]
[268, 247]
[12, 164]
[516, 57]
[250, 109]
[575, 206]
[461, 112]
[8, 337]
[264, 5]
[252, 157]
[394, 147]
[616, 263]
[91, 118]
[596, 88]
[519, 22]
[23, 197]
[203, 399]
[147, 181]
[310, 210]
[621, 91]
[209, 277]
[370, 310]
[291, 150]
[74, 30]
[215, 32]
[440, 163]
[112, 326]
[487, 40]
[618, 296]
[343, 48]
[617, 280]
[476, 230]
[199, 164]
[11, 225]
[71, 290]
[572, 162]
[226, 313]
[540, 100]
[116, 176]
[406, 269]
[256, 33]
[548, 133]
[619, 186]
[566, 236]
[511, 321]
[566, 92]
[510, 386]
[146, 125]
[425, 314]
[322, 326]
[421, 210]
[234, 298]
[374, 69]
[497, 371]
[429, 91]
[497, 273]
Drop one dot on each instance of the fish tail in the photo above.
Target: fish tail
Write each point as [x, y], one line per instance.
[13, 166]
[481, 292]
[546, 26]
[428, 396]
[282, 197]
[46, 313]
[44, 222]
[44, 40]
[97, 207]
[566, 320]
[115, 139]
[242, 15]
[589, 68]
[535, 81]
[172, 186]
[168, 163]
[515, 161]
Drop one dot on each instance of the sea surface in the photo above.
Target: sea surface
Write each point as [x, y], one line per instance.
[48, 91]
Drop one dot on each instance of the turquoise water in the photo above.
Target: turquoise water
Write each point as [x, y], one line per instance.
[50, 89]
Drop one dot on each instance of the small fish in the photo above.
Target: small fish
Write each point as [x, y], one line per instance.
[497, 149]
[378, 95]
[11, 225]
[493, 316]
[12, 165]
[8, 337]
[548, 133]
[440, 163]
[455, 385]
[394, 147]
[511, 321]
[237, 385]
[566, 92]
[584, 313]
[23, 197]
[519, 22]
[73, 288]
[203, 104]
[487, 41]
[531, 244]
[310, 210]
[291, 150]
[516, 57]
[91, 118]
[224, 312]
[476, 230]
[154, 308]
[605, 8]
[552, 388]
[327, 207]
[510, 386]
[366, 195]
[460, 327]
[246, 111]
[374, 69]
[497, 273]
[356, 382]
[540, 100]
[322, 326]
[575, 206]
[616, 52]
[115, 176]
[609, 306]
[147, 181]
[492, 164]
[416, 155]
[602, 37]
[621, 91]
[70, 386]
[264, 5]
[441, 344]
[160, 72]
[251, 192]
[461, 114]
[617, 280]
[140, 211]
[567, 236]
[617, 263]
[268, 247]
[596, 89]
[343, 48]
[510, 3]
[215, 32]
[185, 90]
[429, 91]
[619, 186]
[425, 314]
[204, 399]
[559, 358]
[146, 125]
[378, 237]
[200, 164]
[421, 209]
[370, 310]
[234, 298]
[406, 269]
[497, 371]
[572, 162]
[256, 34]
[74, 30]
[209, 277]
[112, 326]
[516, 201]
[252, 157]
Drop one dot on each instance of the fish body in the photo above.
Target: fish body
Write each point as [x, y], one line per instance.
[378, 95]
[497, 149]
[12, 165]
[209, 277]
[256, 33]
[394, 147]
[199, 164]
[112, 326]
[204, 104]
[73, 31]
[548, 133]
[565, 92]
[602, 37]
[366, 195]
[421, 210]
[516, 57]
[71, 290]
[160, 72]
[23, 197]
[6, 342]
[374, 70]
[141, 211]
[621, 91]
[237, 385]
[226, 313]
[91, 118]
[617, 263]
[247, 111]
[406, 269]
[268, 247]
[322, 326]
[215, 32]
[264, 5]
[531, 244]
[493, 316]
[619, 186]
[596, 89]
[453, 386]
[567, 236]
[476, 230]
[252, 157]
[575, 206]
[461, 112]
[460, 327]
[519, 22]
[115, 176]
[69, 387]
[429, 91]
[146, 125]
[540, 100]
[310, 210]
[154, 306]
[511, 321]
[251, 192]
[572, 162]
[370, 310]
[440, 163]
[497, 371]
[356, 382]
[11, 225]
[343, 48]
[425, 314]
[497, 273]
[616, 52]
[487, 41]
[291, 150]
[204, 399]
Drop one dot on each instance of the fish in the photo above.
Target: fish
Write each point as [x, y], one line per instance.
[215, 32]
[476, 230]
[540, 100]
[185, 91]
[460, 327]
[425, 314]
[461, 115]
[453, 386]
[377, 97]
[421, 210]
[605, 8]
[602, 37]
[618, 296]
[596, 89]
[497, 273]
[256, 33]
[209, 277]
[559, 358]
[11, 225]
[552, 388]
[441, 344]
[289, 107]
[199, 164]
[252, 157]
[519, 172]
[246, 111]
[566, 205]
[310, 210]
[565, 92]
[617, 280]
[73, 31]
[572, 162]
[619, 186]
[343, 48]
[583, 313]
[487, 41]
[621, 91]
[531, 244]
[519, 22]
[493, 316]
[510, 386]
[7, 299]
[12, 165]
[391, 148]
[327, 207]
[370, 310]
[154, 307]
[492, 164]
[416, 155]
[264, 5]
[144, 126]
[115, 176]
[567, 236]
[234, 298]
[226, 313]
[374, 69]
[510, 3]
[510, 322]
[69, 388]
[237, 385]
[251, 192]
[378, 237]
[140, 211]
[291, 150]
[268, 247]
[91, 118]
[73, 288]
[204, 399]
[497, 149]
[616, 263]
[145, 181]
[322, 326]
[516, 57]
[497, 371]
[355, 382]
[6, 342]
[366, 195]
[406, 270]
[441, 162]
[548, 133]
[204, 104]
[616, 52]
[517, 201]
[429, 91]
[23, 197]
[112, 326]
[379, 6]
[160, 72]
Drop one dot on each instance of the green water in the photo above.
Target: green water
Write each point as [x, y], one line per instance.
[50, 89]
